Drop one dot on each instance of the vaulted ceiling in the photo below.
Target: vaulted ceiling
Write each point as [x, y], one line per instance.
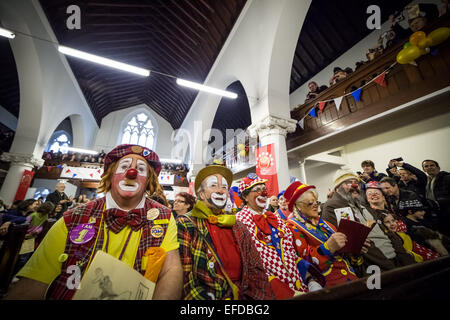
[181, 38]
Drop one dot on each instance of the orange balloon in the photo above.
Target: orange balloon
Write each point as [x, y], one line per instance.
[416, 37]
[425, 43]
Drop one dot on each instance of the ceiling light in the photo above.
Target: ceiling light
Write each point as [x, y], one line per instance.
[6, 33]
[201, 87]
[78, 150]
[103, 61]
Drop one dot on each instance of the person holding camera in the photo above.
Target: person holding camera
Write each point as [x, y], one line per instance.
[408, 177]
[369, 173]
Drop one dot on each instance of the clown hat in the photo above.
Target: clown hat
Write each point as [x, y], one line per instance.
[249, 181]
[294, 191]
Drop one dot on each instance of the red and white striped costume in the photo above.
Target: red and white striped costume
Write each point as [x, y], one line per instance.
[286, 272]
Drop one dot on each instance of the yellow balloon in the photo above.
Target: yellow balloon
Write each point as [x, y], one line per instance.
[416, 37]
[425, 43]
[408, 55]
[242, 153]
[439, 35]
[241, 146]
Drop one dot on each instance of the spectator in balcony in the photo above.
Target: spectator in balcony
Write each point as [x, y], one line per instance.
[398, 199]
[339, 74]
[65, 157]
[420, 14]
[273, 204]
[444, 8]
[59, 197]
[385, 251]
[409, 177]
[184, 202]
[369, 173]
[314, 90]
[85, 159]
[438, 194]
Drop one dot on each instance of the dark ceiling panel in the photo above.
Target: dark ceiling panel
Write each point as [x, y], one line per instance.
[177, 37]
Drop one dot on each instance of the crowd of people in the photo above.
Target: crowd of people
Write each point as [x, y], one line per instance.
[74, 157]
[418, 16]
[216, 245]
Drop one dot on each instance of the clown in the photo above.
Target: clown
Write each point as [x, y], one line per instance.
[218, 257]
[125, 224]
[287, 273]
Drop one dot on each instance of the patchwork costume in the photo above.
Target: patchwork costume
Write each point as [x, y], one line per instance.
[218, 258]
[140, 237]
[310, 241]
[275, 244]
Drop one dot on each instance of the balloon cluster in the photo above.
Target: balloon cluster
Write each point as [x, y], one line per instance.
[241, 147]
[419, 44]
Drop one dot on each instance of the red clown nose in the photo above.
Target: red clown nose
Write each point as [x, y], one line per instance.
[131, 173]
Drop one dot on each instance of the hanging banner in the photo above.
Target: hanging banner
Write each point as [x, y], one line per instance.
[166, 179]
[191, 188]
[266, 167]
[25, 182]
[381, 79]
[357, 95]
[312, 113]
[301, 123]
[322, 105]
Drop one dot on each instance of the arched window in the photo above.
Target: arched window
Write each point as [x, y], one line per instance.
[139, 130]
[59, 142]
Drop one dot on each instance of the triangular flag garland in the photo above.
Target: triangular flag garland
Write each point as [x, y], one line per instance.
[322, 105]
[301, 123]
[357, 94]
[381, 79]
[338, 102]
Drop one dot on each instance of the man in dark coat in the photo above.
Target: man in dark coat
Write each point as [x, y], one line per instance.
[438, 193]
[405, 179]
[385, 250]
[59, 197]
[399, 199]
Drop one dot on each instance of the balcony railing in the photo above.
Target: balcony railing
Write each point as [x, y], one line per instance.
[404, 83]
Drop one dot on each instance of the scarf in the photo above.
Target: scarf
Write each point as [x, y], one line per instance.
[202, 211]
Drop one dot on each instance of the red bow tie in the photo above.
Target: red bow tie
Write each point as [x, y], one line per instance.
[263, 221]
[117, 219]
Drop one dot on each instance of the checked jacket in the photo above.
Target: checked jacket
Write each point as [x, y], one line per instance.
[202, 281]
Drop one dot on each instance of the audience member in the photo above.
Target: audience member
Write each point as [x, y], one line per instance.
[398, 199]
[283, 210]
[369, 173]
[408, 177]
[420, 14]
[184, 202]
[41, 215]
[314, 90]
[273, 204]
[338, 75]
[59, 197]
[58, 212]
[438, 194]
[444, 8]
[384, 250]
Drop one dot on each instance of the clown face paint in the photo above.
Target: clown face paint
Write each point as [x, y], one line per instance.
[126, 187]
[257, 198]
[215, 190]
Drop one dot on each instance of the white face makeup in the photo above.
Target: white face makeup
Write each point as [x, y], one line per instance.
[124, 165]
[130, 188]
[218, 199]
[261, 201]
[141, 167]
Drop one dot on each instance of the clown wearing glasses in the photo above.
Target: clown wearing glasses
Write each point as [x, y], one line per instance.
[288, 274]
[315, 239]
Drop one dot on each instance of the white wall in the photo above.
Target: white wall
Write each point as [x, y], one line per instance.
[347, 59]
[427, 139]
[109, 134]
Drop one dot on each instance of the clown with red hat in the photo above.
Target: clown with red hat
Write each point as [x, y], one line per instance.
[316, 240]
[125, 223]
[287, 273]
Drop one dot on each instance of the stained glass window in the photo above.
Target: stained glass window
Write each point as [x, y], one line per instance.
[139, 130]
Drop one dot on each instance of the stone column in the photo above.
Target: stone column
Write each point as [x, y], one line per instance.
[19, 163]
[273, 129]
[302, 171]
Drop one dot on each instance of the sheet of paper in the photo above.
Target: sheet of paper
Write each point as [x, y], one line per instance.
[110, 279]
[344, 213]
[27, 246]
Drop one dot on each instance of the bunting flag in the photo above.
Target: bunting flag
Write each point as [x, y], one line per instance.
[301, 123]
[338, 102]
[59, 167]
[357, 95]
[381, 79]
[91, 175]
[74, 175]
[68, 170]
[312, 113]
[49, 168]
[322, 105]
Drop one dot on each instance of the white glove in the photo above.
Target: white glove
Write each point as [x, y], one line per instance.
[314, 286]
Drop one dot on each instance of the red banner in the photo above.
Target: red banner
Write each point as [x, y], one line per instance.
[24, 185]
[191, 188]
[266, 167]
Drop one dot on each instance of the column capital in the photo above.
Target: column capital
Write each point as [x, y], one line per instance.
[271, 125]
[20, 158]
